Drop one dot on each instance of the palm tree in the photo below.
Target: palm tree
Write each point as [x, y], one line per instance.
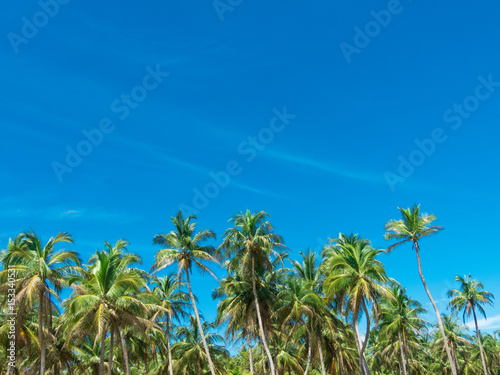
[399, 319]
[107, 296]
[311, 275]
[38, 267]
[236, 310]
[183, 246]
[353, 278]
[173, 303]
[468, 298]
[190, 351]
[252, 243]
[298, 306]
[456, 337]
[411, 228]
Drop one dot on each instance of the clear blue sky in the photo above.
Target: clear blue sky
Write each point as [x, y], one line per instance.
[352, 107]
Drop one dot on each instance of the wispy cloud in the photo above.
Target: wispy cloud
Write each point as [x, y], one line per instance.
[323, 166]
[61, 213]
[158, 154]
[492, 322]
[253, 189]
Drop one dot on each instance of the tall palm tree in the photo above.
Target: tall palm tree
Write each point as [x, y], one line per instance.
[38, 267]
[106, 298]
[354, 278]
[252, 242]
[468, 298]
[411, 228]
[173, 302]
[183, 246]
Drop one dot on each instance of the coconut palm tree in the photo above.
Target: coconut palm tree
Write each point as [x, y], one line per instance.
[298, 307]
[456, 336]
[252, 243]
[41, 273]
[236, 310]
[468, 298]
[183, 246]
[399, 318]
[411, 228]
[107, 297]
[189, 350]
[174, 304]
[309, 272]
[354, 278]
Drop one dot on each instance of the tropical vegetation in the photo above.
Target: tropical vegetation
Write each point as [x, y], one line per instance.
[334, 311]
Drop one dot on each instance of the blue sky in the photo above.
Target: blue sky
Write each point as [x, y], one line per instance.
[325, 140]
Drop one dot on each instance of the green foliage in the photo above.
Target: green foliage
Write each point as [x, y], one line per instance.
[120, 319]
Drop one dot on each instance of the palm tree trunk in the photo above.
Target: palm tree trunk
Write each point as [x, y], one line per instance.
[264, 368]
[341, 365]
[40, 332]
[483, 359]
[103, 350]
[321, 359]
[250, 357]
[170, 362]
[440, 323]
[309, 353]
[124, 350]
[359, 343]
[200, 327]
[407, 354]
[110, 357]
[401, 350]
[259, 318]
[367, 334]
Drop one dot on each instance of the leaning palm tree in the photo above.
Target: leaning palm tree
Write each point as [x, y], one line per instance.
[183, 246]
[252, 242]
[38, 267]
[411, 228]
[468, 298]
[354, 278]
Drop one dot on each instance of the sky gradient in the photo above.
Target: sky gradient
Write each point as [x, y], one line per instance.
[327, 116]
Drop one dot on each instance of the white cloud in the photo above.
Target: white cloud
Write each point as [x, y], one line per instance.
[489, 323]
